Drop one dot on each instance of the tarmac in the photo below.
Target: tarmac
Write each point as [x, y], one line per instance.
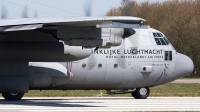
[99, 104]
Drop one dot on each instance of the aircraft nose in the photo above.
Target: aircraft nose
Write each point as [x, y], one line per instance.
[184, 66]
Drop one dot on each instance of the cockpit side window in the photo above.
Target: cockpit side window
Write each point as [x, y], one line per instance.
[158, 41]
[168, 55]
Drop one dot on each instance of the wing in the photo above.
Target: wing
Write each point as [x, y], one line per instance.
[36, 23]
[69, 28]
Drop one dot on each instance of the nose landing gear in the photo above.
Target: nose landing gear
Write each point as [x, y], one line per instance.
[138, 93]
[141, 93]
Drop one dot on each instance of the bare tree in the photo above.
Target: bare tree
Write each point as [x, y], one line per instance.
[178, 19]
[127, 7]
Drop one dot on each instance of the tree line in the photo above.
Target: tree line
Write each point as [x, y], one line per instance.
[179, 20]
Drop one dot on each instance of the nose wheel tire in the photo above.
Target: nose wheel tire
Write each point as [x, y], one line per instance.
[141, 93]
[12, 96]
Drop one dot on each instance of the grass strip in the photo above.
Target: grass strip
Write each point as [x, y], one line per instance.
[167, 90]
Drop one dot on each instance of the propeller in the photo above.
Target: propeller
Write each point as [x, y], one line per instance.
[35, 14]
[125, 42]
[4, 12]
[88, 7]
[24, 13]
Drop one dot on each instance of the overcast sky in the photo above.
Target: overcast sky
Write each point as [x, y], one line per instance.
[59, 8]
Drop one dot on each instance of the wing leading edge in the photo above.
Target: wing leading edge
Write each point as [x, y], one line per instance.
[7, 25]
[74, 31]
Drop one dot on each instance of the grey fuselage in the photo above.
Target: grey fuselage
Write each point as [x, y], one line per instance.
[139, 62]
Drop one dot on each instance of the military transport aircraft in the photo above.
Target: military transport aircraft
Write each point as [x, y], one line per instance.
[86, 53]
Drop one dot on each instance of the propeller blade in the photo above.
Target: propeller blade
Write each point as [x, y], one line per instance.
[88, 7]
[35, 14]
[4, 12]
[121, 61]
[24, 13]
[125, 47]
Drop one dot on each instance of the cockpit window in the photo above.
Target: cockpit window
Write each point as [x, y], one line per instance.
[166, 40]
[155, 35]
[161, 39]
[159, 35]
[158, 41]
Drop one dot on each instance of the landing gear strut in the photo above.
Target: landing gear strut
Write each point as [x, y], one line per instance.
[12, 96]
[141, 93]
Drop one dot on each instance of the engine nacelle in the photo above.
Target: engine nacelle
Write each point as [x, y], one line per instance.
[92, 36]
[112, 36]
